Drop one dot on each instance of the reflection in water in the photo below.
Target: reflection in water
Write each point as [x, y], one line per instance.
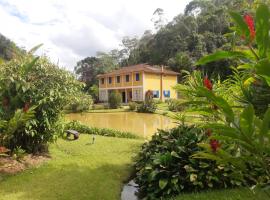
[140, 123]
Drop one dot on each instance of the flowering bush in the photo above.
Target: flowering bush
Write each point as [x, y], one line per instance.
[36, 86]
[239, 136]
[254, 58]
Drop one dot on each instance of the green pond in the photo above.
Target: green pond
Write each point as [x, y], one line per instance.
[139, 123]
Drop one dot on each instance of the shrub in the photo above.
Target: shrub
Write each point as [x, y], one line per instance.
[98, 107]
[114, 100]
[18, 153]
[164, 166]
[148, 106]
[80, 103]
[174, 105]
[81, 128]
[33, 83]
[158, 101]
[132, 106]
[93, 91]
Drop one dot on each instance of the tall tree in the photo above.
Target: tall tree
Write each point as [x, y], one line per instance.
[88, 68]
[159, 19]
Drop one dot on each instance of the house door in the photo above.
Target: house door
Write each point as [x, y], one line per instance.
[124, 97]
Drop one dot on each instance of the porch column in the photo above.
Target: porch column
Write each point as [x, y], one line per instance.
[126, 95]
[132, 86]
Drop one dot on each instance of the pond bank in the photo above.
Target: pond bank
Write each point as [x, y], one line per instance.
[141, 124]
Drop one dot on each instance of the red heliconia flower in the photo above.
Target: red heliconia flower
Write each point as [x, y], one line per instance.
[208, 132]
[250, 22]
[207, 83]
[26, 107]
[215, 145]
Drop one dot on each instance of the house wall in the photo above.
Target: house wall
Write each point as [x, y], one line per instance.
[148, 81]
[169, 82]
[152, 82]
[123, 83]
[140, 82]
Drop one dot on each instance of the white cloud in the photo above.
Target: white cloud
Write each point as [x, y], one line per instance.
[71, 30]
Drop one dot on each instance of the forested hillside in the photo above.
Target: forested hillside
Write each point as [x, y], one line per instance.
[201, 29]
[8, 49]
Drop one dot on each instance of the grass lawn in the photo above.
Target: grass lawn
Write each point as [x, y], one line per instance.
[77, 171]
[229, 194]
[82, 171]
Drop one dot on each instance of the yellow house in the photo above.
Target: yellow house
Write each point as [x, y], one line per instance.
[134, 81]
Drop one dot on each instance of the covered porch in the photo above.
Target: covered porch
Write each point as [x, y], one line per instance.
[126, 94]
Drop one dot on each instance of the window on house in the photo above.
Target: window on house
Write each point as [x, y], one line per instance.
[110, 80]
[102, 81]
[127, 78]
[167, 93]
[137, 77]
[118, 79]
[156, 94]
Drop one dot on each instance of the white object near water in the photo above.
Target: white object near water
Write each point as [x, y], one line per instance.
[129, 191]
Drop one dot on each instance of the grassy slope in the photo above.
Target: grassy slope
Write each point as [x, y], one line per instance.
[229, 194]
[78, 171]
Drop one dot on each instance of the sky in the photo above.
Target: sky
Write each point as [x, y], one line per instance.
[71, 30]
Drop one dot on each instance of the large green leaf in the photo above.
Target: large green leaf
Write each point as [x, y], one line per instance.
[27, 67]
[220, 55]
[223, 130]
[35, 48]
[265, 126]
[221, 103]
[247, 120]
[262, 30]
[263, 69]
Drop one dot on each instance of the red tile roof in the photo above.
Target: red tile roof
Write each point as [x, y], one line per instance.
[140, 68]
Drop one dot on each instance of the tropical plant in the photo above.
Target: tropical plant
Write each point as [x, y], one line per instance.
[114, 100]
[164, 166]
[244, 136]
[18, 153]
[254, 57]
[174, 105]
[12, 130]
[34, 82]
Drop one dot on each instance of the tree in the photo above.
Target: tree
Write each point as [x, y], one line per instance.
[88, 68]
[202, 29]
[128, 52]
[8, 49]
[159, 19]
